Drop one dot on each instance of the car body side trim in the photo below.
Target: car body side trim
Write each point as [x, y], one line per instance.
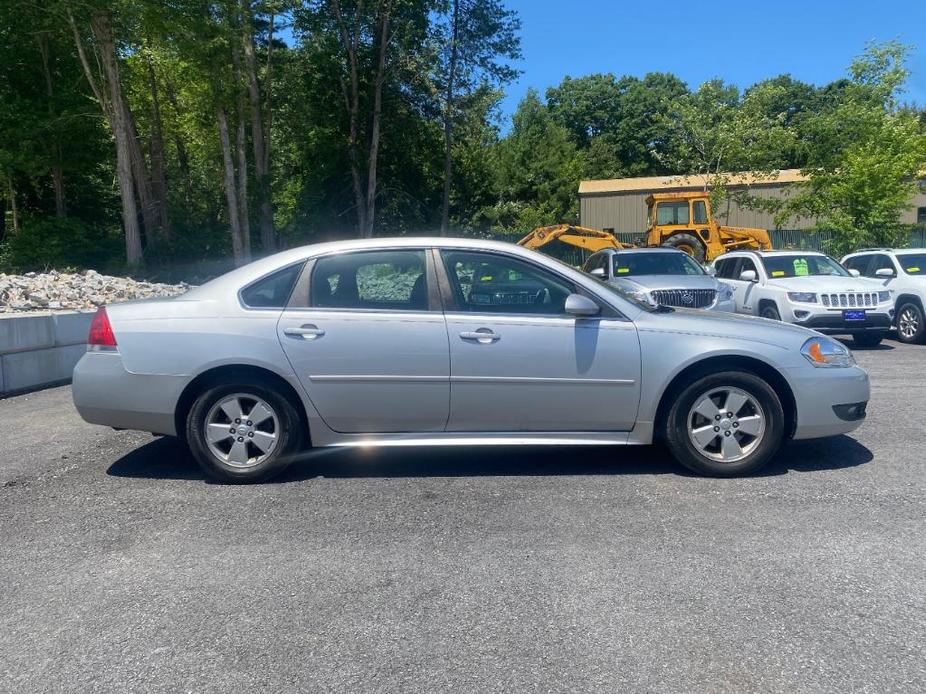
[386, 378]
[376, 378]
[584, 438]
[532, 379]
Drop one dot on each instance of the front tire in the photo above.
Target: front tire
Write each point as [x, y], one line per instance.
[770, 311]
[243, 432]
[911, 328]
[725, 424]
[867, 339]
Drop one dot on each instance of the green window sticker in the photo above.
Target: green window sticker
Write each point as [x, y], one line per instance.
[778, 273]
[800, 267]
[623, 270]
[913, 270]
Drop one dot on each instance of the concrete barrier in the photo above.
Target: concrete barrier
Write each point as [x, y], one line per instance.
[38, 350]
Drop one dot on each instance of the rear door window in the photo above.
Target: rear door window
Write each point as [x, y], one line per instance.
[371, 280]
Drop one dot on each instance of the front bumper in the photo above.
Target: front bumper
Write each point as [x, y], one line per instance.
[829, 401]
[106, 393]
[833, 323]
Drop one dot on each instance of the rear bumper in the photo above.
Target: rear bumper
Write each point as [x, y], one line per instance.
[829, 401]
[105, 393]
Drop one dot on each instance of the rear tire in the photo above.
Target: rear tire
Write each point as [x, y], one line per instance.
[867, 339]
[911, 328]
[727, 446]
[689, 243]
[243, 432]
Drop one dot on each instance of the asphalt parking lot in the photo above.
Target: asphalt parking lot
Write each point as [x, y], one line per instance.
[579, 569]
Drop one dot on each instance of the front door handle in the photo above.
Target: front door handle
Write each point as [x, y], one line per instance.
[483, 336]
[306, 332]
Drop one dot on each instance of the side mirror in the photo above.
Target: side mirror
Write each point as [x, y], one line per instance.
[711, 270]
[855, 273]
[580, 306]
[599, 273]
[884, 272]
[748, 276]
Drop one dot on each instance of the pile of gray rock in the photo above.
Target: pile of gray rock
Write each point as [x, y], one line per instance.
[51, 291]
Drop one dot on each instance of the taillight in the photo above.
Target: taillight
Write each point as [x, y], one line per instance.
[101, 337]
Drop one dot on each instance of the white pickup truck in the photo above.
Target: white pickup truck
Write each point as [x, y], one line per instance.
[809, 289]
[903, 271]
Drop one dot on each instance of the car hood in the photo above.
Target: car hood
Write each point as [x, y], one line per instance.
[729, 326]
[826, 284]
[651, 282]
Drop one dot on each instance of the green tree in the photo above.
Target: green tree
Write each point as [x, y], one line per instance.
[476, 39]
[538, 169]
[866, 156]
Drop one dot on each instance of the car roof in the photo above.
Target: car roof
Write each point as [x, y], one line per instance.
[654, 249]
[770, 254]
[264, 266]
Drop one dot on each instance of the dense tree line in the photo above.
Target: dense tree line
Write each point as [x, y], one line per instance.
[155, 133]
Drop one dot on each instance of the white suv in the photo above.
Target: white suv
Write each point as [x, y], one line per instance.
[903, 271]
[809, 289]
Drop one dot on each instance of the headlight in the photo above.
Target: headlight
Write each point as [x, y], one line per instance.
[803, 297]
[726, 292]
[640, 295]
[826, 353]
[884, 296]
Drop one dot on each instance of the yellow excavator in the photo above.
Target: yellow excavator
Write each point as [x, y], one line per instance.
[678, 220]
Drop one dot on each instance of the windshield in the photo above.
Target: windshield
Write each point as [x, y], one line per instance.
[629, 264]
[803, 266]
[913, 263]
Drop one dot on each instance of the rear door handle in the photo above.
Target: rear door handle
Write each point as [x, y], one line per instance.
[306, 332]
[484, 336]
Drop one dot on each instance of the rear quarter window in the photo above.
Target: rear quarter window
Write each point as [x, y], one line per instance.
[273, 290]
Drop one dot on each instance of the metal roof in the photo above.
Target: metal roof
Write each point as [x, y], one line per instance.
[689, 181]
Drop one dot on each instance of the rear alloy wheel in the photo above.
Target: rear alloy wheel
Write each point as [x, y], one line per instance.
[868, 339]
[910, 325]
[687, 243]
[243, 432]
[725, 424]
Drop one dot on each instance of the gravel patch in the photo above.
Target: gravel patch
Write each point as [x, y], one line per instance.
[38, 291]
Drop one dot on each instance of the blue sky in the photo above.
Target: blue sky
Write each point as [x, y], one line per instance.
[741, 42]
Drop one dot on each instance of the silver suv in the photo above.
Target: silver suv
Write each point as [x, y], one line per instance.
[903, 271]
[661, 277]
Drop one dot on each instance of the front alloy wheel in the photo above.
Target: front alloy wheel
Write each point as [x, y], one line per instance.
[910, 325]
[725, 424]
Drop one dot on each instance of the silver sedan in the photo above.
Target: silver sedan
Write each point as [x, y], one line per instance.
[420, 341]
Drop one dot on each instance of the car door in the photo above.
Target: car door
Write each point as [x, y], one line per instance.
[367, 339]
[749, 290]
[728, 271]
[518, 362]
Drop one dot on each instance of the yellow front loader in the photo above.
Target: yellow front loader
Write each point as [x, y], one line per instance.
[677, 220]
